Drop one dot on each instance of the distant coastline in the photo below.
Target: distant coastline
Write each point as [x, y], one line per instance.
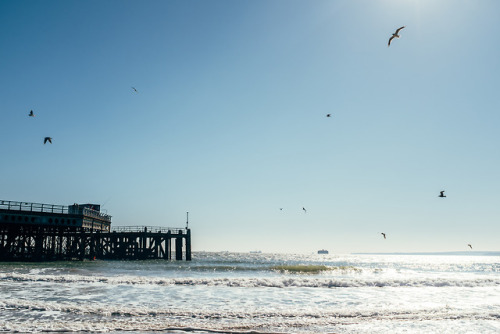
[471, 253]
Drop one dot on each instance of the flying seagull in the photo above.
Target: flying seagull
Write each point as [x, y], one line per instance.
[441, 194]
[383, 235]
[395, 35]
[47, 139]
[31, 114]
[281, 209]
[305, 211]
[469, 246]
[328, 115]
[135, 90]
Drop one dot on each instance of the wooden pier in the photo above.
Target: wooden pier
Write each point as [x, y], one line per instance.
[28, 234]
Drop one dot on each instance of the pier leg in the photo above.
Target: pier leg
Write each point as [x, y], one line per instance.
[38, 254]
[178, 249]
[168, 247]
[188, 245]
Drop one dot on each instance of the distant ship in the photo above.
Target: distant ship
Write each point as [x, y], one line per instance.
[322, 251]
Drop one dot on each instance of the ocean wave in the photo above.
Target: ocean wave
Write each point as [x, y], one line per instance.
[270, 282]
[99, 317]
[106, 310]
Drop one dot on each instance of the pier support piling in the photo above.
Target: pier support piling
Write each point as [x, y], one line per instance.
[49, 243]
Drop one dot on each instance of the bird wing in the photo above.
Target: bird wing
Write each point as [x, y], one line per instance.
[390, 39]
[399, 29]
[50, 140]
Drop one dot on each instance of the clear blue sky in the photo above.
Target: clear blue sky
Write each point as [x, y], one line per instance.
[229, 122]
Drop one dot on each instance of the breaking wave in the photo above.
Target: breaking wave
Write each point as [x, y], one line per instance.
[270, 282]
[100, 317]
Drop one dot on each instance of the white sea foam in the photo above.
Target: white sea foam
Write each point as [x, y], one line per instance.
[274, 282]
[113, 318]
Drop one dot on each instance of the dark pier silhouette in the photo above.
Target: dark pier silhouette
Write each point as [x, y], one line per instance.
[46, 232]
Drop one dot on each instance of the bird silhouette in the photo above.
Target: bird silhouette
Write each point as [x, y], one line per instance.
[281, 209]
[395, 35]
[135, 90]
[47, 139]
[383, 235]
[305, 211]
[441, 194]
[328, 115]
[31, 114]
[469, 246]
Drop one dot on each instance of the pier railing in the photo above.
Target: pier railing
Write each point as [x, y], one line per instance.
[151, 229]
[51, 208]
[33, 207]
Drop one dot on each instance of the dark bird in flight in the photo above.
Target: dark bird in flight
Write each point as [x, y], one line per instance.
[328, 115]
[281, 209]
[135, 90]
[31, 114]
[383, 235]
[47, 139]
[469, 246]
[441, 194]
[305, 211]
[395, 35]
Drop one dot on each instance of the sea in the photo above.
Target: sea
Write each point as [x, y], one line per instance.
[224, 292]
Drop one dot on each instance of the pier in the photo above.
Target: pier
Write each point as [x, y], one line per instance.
[46, 232]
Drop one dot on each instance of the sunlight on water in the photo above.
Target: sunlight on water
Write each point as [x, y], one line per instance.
[256, 292]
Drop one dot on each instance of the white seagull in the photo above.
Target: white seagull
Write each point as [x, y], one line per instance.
[395, 35]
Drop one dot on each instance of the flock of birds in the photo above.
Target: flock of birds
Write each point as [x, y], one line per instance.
[441, 193]
[46, 139]
[49, 139]
[394, 35]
